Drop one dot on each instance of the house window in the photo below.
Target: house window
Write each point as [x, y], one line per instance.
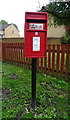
[12, 32]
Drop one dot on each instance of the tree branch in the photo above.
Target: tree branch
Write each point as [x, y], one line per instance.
[55, 14]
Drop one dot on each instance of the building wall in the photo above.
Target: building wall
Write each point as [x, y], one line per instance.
[56, 32]
[55, 41]
[21, 40]
[11, 32]
[1, 32]
[13, 40]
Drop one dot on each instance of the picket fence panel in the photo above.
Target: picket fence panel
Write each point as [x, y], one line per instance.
[57, 57]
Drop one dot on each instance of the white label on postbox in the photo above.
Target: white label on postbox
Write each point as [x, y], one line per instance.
[36, 33]
[36, 43]
[33, 26]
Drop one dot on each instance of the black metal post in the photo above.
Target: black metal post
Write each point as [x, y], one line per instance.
[34, 83]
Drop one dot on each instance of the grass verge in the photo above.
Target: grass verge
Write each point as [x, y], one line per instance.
[51, 95]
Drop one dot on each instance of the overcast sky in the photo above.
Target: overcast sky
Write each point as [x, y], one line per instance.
[13, 11]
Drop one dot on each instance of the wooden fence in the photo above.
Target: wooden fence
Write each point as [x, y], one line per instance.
[57, 58]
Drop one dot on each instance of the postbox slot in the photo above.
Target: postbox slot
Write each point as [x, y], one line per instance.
[35, 21]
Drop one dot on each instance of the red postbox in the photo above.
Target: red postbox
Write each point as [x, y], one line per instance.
[35, 36]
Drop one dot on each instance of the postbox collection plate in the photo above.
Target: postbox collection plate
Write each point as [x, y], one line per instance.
[36, 43]
[34, 26]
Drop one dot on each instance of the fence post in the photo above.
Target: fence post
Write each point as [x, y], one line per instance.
[58, 59]
[67, 59]
[49, 58]
[53, 57]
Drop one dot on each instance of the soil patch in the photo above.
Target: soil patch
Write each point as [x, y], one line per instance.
[13, 76]
[4, 92]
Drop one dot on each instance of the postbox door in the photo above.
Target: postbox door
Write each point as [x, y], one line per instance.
[36, 44]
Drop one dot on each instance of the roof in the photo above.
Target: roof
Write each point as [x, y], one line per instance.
[4, 26]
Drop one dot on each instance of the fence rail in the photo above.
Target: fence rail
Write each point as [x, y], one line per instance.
[57, 57]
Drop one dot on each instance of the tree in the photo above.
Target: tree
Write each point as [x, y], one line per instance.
[3, 22]
[60, 11]
[66, 38]
[16, 26]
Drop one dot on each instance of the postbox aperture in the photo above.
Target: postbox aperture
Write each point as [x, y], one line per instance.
[35, 38]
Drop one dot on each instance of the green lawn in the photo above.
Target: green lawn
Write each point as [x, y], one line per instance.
[52, 95]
